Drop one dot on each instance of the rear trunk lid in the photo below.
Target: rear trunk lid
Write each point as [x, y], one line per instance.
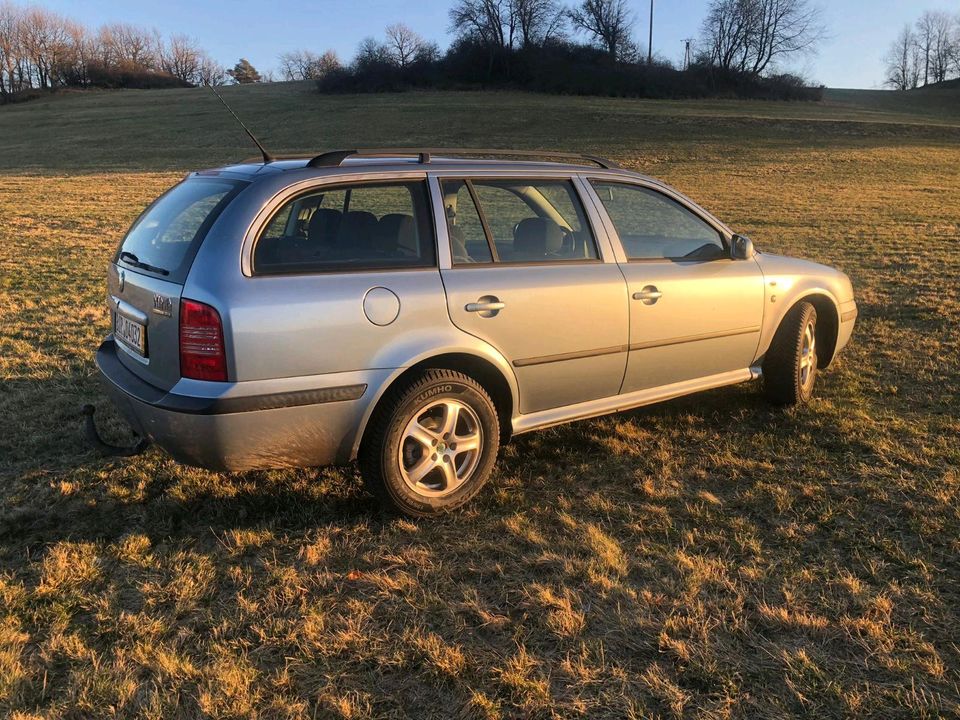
[145, 280]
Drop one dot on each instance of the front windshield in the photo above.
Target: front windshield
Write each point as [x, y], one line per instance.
[164, 239]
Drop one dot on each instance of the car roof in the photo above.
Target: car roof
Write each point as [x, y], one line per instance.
[253, 170]
[402, 158]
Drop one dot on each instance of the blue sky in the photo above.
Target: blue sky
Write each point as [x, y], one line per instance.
[260, 30]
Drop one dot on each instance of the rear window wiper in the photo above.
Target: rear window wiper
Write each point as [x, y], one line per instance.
[131, 259]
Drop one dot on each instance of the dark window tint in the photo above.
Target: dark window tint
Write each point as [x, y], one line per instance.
[168, 233]
[654, 226]
[468, 242]
[535, 220]
[349, 227]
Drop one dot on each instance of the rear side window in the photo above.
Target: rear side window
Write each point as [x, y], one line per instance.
[166, 236]
[367, 226]
[522, 221]
[653, 226]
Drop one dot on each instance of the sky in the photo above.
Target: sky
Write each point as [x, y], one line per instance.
[260, 30]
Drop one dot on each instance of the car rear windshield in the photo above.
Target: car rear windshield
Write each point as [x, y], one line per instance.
[165, 238]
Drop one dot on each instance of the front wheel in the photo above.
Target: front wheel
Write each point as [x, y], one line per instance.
[790, 366]
[432, 444]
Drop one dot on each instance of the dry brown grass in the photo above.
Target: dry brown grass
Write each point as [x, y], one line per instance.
[709, 557]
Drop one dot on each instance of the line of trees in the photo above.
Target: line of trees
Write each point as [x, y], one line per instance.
[927, 52]
[588, 48]
[42, 50]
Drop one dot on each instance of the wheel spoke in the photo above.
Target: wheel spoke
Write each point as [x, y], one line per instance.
[424, 436]
[449, 475]
[466, 443]
[451, 414]
[420, 470]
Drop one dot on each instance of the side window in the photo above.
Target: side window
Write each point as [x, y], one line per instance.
[468, 242]
[535, 220]
[352, 227]
[654, 226]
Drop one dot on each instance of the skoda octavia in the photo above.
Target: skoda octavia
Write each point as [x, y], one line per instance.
[413, 309]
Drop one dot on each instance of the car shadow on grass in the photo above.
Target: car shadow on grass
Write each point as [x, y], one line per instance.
[156, 500]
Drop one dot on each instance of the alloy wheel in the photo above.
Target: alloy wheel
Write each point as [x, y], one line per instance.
[440, 447]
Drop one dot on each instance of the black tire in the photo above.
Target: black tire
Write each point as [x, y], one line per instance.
[389, 457]
[787, 379]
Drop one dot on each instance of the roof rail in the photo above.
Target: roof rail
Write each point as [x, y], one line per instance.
[335, 158]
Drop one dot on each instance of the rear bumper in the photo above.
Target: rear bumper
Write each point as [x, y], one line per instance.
[291, 422]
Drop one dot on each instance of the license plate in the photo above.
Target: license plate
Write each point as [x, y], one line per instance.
[130, 333]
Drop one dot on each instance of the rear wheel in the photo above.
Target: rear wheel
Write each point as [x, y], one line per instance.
[790, 366]
[431, 446]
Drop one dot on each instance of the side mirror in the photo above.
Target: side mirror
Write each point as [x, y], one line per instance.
[741, 248]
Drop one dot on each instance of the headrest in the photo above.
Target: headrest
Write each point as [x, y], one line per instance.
[323, 225]
[395, 230]
[537, 237]
[356, 227]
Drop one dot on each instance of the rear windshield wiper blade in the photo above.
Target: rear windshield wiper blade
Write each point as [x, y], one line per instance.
[131, 259]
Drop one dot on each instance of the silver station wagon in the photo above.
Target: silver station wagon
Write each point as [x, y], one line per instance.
[413, 309]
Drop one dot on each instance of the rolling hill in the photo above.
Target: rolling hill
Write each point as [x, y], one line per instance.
[182, 129]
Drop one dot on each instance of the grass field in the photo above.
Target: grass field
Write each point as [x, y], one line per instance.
[708, 557]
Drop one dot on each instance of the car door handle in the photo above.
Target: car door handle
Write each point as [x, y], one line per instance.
[648, 295]
[484, 306]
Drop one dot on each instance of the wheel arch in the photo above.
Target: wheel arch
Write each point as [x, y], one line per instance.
[828, 323]
[485, 370]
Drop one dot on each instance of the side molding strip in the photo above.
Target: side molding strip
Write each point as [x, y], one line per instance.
[580, 354]
[694, 338]
[544, 359]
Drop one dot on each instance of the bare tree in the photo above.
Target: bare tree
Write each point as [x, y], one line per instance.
[538, 21]
[45, 42]
[954, 51]
[181, 58]
[428, 52]
[11, 47]
[372, 52]
[403, 43]
[750, 35]
[901, 61]
[128, 46]
[297, 65]
[489, 22]
[935, 30]
[609, 22]
[210, 72]
[307, 65]
[328, 63]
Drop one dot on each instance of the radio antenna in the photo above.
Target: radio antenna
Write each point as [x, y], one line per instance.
[267, 157]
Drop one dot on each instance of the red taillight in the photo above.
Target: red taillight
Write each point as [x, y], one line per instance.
[201, 342]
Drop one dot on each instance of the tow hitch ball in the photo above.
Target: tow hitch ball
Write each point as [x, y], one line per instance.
[105, 448]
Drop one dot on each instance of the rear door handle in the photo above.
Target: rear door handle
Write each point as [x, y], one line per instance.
[648, 295]
[487, 306]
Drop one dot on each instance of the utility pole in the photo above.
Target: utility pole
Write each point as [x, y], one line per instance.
[650, 41]
[687, 59]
